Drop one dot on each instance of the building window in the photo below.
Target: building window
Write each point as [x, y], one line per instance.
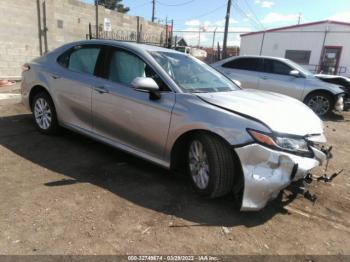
[298, 56]
[60, 24]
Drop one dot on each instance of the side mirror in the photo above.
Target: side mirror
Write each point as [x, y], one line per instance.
[295, 73]
[146, 84]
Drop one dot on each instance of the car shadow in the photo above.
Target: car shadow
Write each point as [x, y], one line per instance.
[82, 160]
[334, 117]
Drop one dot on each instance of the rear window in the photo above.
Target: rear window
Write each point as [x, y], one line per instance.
[80, 59]
[251, 64]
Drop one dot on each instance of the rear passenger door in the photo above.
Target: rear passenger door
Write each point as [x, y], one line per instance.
[72, 84]
[247, 70]
[277, 78]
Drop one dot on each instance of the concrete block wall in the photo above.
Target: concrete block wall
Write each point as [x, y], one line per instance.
[18, 35]
[19, 32]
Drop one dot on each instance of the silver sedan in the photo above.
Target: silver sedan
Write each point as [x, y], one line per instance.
[283, 76]
[174, 110]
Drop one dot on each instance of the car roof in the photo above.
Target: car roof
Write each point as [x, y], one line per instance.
[138, 47]
[252, 56]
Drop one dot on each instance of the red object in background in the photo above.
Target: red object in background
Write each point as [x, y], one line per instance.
[169, 28]
[6, 83]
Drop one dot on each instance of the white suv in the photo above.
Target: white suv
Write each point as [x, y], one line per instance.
[283, 76]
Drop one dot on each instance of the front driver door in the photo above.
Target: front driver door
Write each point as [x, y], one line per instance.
[127, 116]
[276, 78]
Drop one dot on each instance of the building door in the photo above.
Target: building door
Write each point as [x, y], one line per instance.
[330, 60]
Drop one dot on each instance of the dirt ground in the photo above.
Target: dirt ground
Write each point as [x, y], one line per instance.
[70, 195]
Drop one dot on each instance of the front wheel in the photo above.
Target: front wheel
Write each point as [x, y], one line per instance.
[321, 103]
[211, 166]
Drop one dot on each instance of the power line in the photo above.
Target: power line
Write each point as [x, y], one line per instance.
[254, 14]
[204, 14]
[141, 5]
[178, 4]
[243, 13]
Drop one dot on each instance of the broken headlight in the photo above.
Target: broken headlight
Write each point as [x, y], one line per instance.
[292, 144]
[285, 143]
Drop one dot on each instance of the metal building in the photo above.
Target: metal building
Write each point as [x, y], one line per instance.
[322, 47]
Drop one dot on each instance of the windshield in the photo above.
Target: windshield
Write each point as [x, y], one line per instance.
[300, 68]
[191, 74]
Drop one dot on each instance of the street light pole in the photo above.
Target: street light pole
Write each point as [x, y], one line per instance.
[227, 22]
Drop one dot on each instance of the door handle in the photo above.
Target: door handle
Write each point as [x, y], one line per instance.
[55, 76]
[264, 77]
[101, 90]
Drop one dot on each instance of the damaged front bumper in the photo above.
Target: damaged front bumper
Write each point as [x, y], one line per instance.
[267, 172]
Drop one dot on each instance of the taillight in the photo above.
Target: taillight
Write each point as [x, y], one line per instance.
[25, 67]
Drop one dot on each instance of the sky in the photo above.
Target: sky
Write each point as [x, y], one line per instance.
[199, 18]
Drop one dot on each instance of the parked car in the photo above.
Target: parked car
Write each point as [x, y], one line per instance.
[342, 81]
[283, 76]
[174, 110]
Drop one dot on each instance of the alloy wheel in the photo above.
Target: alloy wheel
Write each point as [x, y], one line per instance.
[199, 164]
[319, 104]
[42, 113]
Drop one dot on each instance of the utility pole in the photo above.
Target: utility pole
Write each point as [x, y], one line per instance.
[214, 37]
[199, 36]
[153, 10]
[39, 28]
[299, 18]
[227, 22]
[96, 11]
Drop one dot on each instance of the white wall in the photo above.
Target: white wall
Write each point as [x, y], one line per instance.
[303, 38]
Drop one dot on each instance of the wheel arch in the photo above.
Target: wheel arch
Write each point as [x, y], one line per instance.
[36, 90]
[322, 91]
[179, 151]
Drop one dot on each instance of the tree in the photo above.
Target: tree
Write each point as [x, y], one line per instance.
[114, 5]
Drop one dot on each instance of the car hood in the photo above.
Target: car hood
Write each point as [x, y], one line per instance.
[316, 82]
[281, 113]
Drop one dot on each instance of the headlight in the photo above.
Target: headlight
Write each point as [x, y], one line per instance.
[292, 144]
[285, 143]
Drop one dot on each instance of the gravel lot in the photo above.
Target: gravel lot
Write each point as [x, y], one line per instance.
[70, 195]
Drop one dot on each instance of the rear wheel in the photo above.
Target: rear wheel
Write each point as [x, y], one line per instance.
[321, 103]
[211, 166]
[44, 113]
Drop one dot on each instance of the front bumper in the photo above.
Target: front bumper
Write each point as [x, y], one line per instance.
[267, 172]
[339, 103]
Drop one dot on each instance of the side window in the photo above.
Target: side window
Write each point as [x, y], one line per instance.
[276, 67]
[251, 64]
[81, 59]
[125, 67]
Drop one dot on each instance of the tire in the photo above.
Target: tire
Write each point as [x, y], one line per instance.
[320, 102]
[44, 114]
[210, 165]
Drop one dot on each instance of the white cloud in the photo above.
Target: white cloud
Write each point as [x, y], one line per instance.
[206, 39]
[193, 22]
[264, 3]
[342, 16]
[280, 18]
[207, 23]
